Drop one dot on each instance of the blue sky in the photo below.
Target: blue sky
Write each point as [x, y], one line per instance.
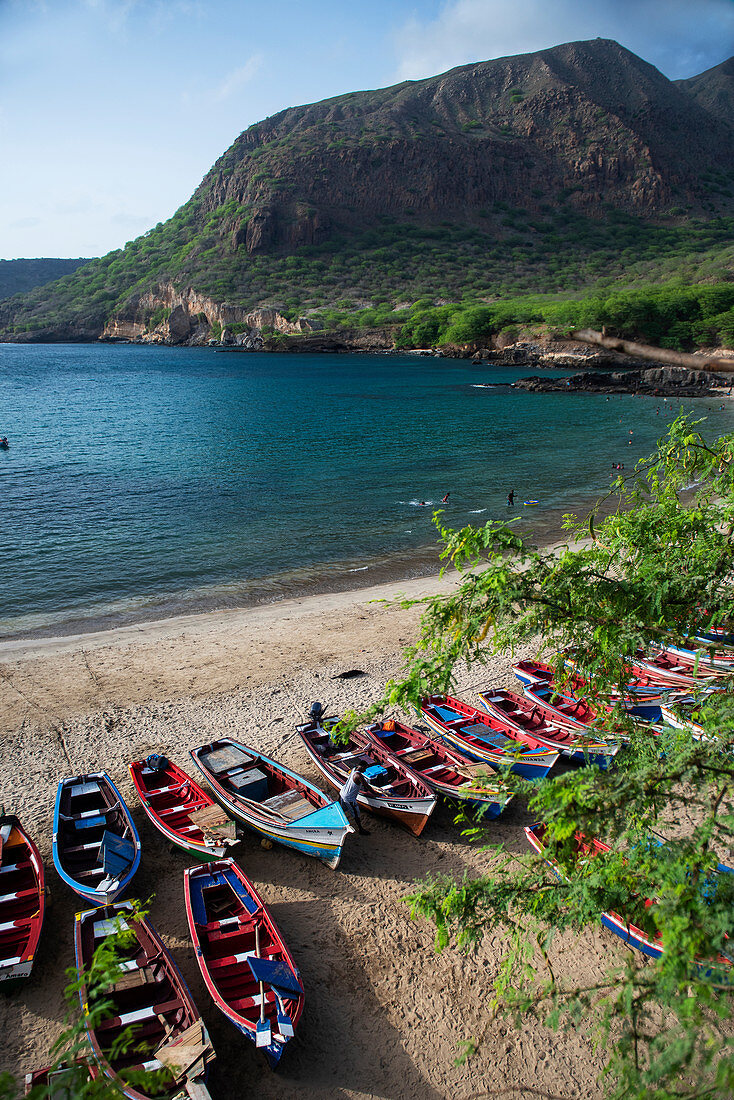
[112, 111]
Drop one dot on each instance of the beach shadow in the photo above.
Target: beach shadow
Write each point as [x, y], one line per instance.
[345, 1042]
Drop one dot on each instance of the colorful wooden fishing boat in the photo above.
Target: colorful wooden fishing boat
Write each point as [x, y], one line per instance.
[393, 789]
[720, 661]
[571, 738]
[568, 700]
[671, 717]
[247, 968]
[482, 737]
[182, 810]
[272, 800]
[446, 771]
[96, 848]
[649, 942]
[151, 998]
[661, 669]
[22, 900]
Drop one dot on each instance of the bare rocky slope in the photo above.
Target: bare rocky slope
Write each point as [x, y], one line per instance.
[330, 200]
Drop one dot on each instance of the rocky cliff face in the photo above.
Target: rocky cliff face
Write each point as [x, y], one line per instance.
[714, 91]
[166, 315]
[589, 118]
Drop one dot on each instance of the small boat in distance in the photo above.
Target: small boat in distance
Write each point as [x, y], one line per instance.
[272, 800]
[482, 737]
[22, 902]
[572, 739]
[182, 810]
[245, 964]
[447, 771]
[96, 848]
[169, 1038]
[393, 789]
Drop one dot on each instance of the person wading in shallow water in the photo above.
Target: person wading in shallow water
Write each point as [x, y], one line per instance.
[348, 796]
[445, 500]
[511, 498]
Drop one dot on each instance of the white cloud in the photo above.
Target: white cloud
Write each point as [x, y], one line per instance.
[681, 37]
[237, 79]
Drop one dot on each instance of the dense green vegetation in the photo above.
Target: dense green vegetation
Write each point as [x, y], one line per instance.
[394, 263]
[659, 570]
[673, 315]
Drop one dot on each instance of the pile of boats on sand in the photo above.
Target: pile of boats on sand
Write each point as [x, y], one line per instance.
[460, 753]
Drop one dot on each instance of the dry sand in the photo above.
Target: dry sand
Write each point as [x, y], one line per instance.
[385, 1015]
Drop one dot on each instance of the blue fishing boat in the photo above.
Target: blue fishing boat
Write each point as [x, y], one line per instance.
[96, 847]
[272, 800]
[485, 738]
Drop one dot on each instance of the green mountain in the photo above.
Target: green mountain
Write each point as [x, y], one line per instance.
[546, 172]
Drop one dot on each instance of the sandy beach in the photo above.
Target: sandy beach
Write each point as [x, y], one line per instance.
[385, 1015]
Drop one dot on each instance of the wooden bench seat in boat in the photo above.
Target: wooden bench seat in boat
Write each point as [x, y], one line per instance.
[290, 804]
[415, 756]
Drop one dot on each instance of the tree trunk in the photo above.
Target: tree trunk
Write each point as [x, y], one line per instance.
[659, 355]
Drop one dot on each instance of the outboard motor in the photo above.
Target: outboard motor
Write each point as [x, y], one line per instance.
[317, 712]
[156, 762]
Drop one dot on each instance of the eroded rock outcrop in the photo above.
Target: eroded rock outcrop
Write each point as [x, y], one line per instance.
[167, 315]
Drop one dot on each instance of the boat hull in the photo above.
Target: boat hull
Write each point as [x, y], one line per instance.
[579, 747]
[614, 922]
[320, 834]
[197, 849]
[410, 812]
[115, 888]
[490, 801]
[22, 904]
[533, 766]
[137, 1004]
[225, 970]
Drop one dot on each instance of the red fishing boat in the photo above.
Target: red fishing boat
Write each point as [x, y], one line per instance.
[247, 968]
[393, 789]
[485, 738]
[182, 810]
[571, 738]
[169, 1040]
[445, 770]
[663, 669]
[22, 901]
[568, 700]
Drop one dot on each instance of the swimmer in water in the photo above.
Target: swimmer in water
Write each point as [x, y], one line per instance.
[445, 500]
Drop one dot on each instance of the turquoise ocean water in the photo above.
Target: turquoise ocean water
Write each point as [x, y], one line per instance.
[145, 482]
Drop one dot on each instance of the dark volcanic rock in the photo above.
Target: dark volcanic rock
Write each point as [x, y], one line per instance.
[655, 381]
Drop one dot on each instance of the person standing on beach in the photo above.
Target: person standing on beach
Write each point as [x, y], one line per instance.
[348, 796]
[510, 498]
